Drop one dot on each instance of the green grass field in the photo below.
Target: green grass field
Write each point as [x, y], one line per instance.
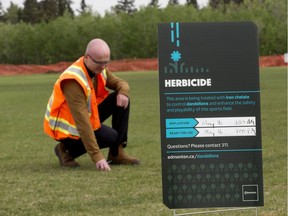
[33, 183]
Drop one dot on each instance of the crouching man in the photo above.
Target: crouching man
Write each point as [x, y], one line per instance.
[80, 103]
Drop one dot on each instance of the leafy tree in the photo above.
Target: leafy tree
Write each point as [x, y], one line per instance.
[49, 10]
[217, 3]
[1, 12]
[192, 3]
[154, 3]
[45, 10]
[30, 13]
[83, 7]
[64, 5]
[13, 14]
[237, 1]
[173, 2]
[125, 6]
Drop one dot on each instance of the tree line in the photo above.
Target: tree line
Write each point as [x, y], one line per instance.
[46, 10]
[49, 31]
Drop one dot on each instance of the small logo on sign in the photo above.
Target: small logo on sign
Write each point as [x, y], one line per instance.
[250, 193]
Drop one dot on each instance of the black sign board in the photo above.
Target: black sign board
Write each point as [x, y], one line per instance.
[210, 115]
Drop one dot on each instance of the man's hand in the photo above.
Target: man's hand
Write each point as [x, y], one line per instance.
[122, 100]
[103, 165]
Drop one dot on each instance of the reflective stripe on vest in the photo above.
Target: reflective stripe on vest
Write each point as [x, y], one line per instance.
[63, 126]
[77, 71]
[60, 124]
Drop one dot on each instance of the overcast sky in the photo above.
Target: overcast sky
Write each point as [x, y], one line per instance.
[102, 5]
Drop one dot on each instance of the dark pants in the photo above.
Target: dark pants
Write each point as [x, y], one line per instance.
[106, 137]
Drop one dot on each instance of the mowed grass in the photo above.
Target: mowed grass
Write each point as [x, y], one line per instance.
[33, 183]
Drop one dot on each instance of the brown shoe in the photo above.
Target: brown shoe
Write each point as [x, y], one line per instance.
[64, 157]
[122, 158]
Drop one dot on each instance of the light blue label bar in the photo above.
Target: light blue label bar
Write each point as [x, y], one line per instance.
[181, 123]
[181, 133]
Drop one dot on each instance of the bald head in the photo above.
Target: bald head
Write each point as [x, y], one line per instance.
[98, 49]
[97, 55]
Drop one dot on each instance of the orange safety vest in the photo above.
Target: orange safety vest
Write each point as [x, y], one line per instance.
[58, 121]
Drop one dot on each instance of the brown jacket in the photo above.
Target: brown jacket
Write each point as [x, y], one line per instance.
[76, 100]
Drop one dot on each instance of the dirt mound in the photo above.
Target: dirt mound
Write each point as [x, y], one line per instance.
[117, 65]
[272, 61]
